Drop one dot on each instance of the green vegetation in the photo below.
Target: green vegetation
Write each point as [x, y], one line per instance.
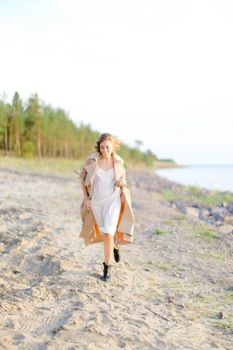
[169, 222]
[205, 232]
[34, 129]
[223, 326]
[180, 217]
[153, 293]
[196, 194]
[227, 297]
[43, 165]
[168, 194]
[201, 298]
[210, 254]
[160, 231]
[165, 266]
[173, 221]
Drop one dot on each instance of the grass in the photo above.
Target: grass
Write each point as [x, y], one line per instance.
[169, 222]
[55, 165]
[201, 298]
[205, 300]
[228, 297]
[168, 194]
[45, 165]
[230, 294]
[206, 232]
[174, 220]
[180, 217]
[223, 325]
[151, 293]
[210, 254]
[177, 286]
[160, 231]
[165, 266]
[196, 194]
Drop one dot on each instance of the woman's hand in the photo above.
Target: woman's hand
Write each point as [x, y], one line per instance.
[120, 183]
[87, 203]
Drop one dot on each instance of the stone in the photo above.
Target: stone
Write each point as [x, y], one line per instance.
[218, 223]
[229, 219]
[226, 229]
[219, 315]
[2, 247]
[193, 212]
[229, 207]
[180, 204]
[218, 212]
[204, 213]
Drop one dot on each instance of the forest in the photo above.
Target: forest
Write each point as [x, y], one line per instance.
[34, 129]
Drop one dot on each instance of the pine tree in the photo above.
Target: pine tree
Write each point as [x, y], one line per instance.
[33, 122]
[17, 123]
[4, 125]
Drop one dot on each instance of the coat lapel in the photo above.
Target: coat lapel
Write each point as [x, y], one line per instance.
[91, 168]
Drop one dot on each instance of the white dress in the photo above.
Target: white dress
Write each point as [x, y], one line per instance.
[106, 200]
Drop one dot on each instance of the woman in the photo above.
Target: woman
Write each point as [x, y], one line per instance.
[106, 208]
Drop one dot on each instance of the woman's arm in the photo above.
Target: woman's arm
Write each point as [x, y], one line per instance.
[124, 177]
[122, 181]
[122, 184]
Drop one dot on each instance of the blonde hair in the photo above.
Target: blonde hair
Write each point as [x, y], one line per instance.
[116, 142]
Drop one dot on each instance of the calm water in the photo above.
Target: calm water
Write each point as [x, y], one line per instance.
[208, 176]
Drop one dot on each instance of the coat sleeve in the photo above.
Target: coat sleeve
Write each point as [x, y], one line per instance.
[82, 173]
[124, 175]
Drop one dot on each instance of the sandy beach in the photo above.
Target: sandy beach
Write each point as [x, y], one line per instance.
[172, 290]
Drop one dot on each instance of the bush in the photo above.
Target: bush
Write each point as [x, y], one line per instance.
[29, 149]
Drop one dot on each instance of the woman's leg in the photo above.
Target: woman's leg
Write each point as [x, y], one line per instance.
[108, 248]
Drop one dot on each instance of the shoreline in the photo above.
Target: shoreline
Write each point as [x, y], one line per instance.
[212, 207]
[35, 166]
[162, 181]
[199, 168]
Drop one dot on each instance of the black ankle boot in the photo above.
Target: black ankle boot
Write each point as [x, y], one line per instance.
[106, 272]
[116, 253]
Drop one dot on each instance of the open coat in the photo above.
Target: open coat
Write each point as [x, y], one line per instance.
[90, 231]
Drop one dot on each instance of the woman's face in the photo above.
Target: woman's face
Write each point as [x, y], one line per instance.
[106, 148]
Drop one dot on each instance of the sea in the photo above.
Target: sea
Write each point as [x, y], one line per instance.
[213, 177]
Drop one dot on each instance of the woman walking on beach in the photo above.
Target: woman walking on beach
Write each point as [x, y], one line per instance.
[106, 207]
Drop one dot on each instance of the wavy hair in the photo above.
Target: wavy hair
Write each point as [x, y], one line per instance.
[116, 142]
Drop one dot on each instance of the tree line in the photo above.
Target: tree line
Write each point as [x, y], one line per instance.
[36, 129]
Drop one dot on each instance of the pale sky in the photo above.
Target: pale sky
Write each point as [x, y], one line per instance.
[159, 71]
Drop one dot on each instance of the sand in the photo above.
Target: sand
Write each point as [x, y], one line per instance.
[172, 290]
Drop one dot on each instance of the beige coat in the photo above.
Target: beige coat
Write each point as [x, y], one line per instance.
[90, 231]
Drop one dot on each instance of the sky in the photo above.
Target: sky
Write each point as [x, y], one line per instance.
[158, 71]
